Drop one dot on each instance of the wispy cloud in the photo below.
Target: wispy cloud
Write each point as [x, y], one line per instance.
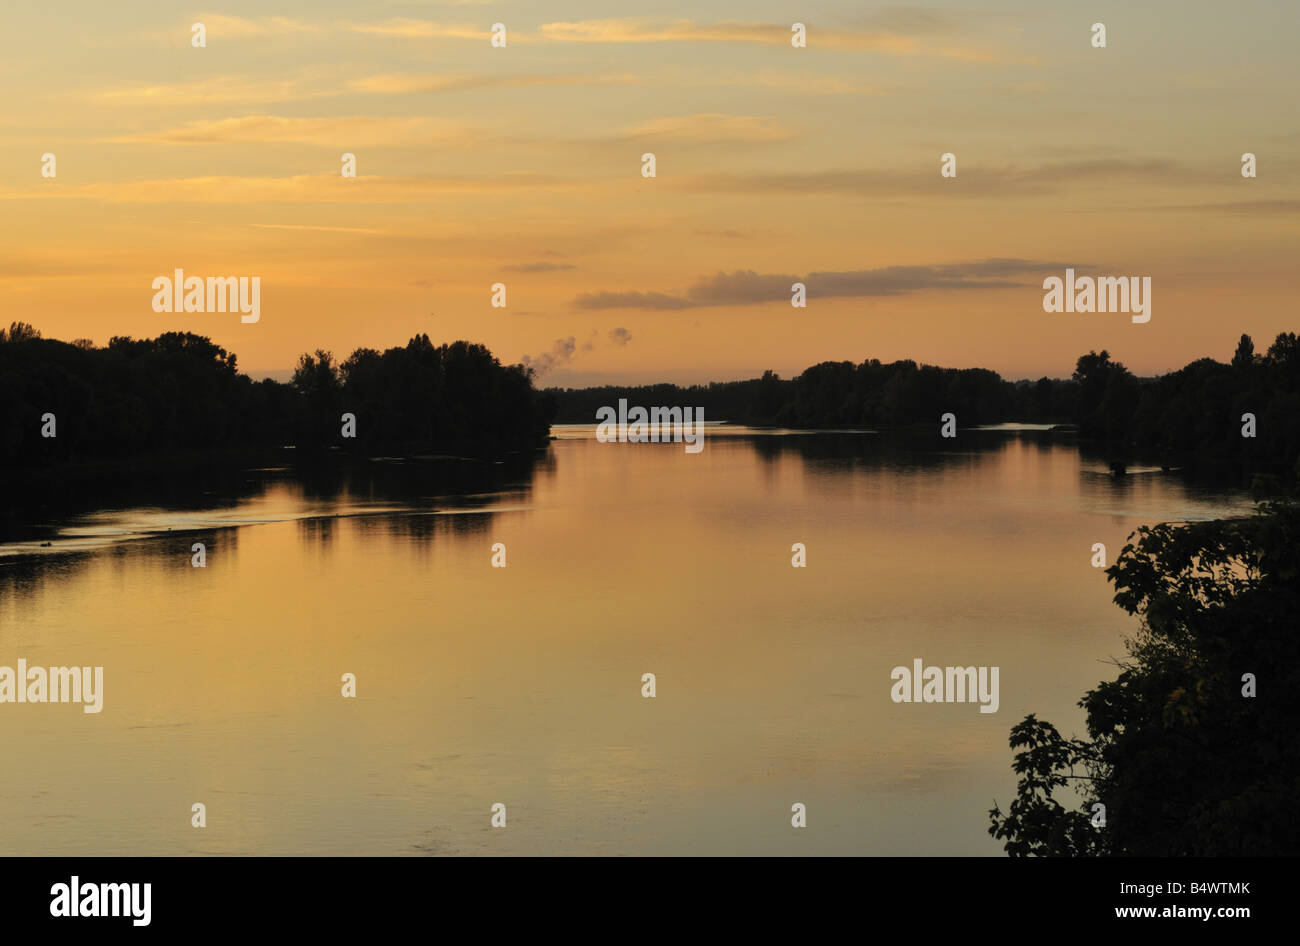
[808, 82]
[221, 24]
[711, 127]
[892, 39]
[896, 32]
[347, 131]
[57, 267]
[1264, 208]
[403, 84]
[233, 90]
[908, 21]
[323, 229]
[406, 28]
[301, 188]
[214, 90]
[988, 181]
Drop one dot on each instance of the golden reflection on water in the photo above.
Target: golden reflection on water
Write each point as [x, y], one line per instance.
[521, 685]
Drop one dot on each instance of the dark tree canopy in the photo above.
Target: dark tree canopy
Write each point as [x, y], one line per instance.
[1194, 413]
[1244, 356]
[1183, 761]
[422, 396]
[181, 392]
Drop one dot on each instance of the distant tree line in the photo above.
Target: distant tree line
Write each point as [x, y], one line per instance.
[831, 394]
[181, 392]
[721, 400]
[1195, 409]
[842, 394]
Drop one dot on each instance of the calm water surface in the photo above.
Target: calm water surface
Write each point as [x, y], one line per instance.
[521, 685]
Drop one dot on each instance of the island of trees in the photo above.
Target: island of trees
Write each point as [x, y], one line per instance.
[181, 393]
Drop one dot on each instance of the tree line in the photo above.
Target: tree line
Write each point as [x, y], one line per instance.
[180, 392]
[1195, 410]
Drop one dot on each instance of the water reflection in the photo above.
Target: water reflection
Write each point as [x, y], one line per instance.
[522, 684]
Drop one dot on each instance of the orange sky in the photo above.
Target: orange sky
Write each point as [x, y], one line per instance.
[522, 165]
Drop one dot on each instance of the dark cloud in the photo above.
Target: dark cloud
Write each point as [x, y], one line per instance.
[630, 300]
[563, 350]
[746, 287]
[561, 353]
[538, 267]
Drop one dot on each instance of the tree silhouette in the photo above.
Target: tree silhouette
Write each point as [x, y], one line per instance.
[1244, 356]
[1183, 760]
[145, 400]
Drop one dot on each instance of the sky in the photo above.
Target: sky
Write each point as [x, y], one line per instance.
[522, 165]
